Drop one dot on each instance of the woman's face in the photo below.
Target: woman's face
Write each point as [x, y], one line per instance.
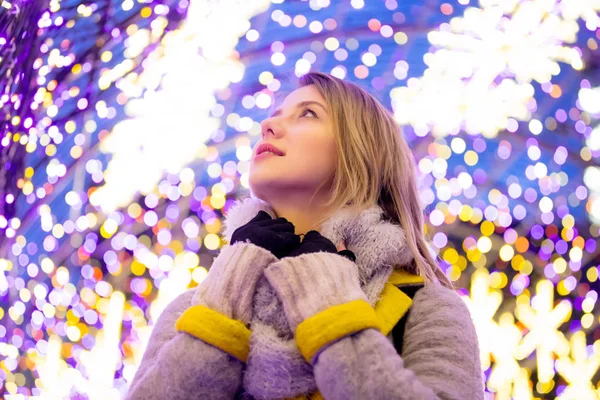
[302, 128]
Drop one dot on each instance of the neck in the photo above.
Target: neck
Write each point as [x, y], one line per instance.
[304, 216]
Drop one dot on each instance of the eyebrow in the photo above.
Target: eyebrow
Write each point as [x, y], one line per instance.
[301, 104]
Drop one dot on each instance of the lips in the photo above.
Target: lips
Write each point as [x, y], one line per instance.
[265, 155]
[269, 147]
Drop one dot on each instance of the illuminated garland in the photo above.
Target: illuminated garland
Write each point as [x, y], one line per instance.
[142, 124]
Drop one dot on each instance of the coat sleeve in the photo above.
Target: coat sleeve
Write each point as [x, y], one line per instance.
[440, 356]
[195, 352]
[337, 333]
[177, 365]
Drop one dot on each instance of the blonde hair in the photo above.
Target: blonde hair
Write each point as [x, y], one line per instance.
[375, 165]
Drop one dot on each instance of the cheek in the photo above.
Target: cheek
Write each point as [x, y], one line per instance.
[315, 154]
[319, 141]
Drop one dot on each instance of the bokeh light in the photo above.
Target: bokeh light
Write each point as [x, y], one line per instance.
[129, 134]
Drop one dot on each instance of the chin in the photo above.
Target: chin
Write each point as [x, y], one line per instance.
[264, 178]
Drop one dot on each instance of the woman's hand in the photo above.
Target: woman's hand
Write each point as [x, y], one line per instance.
[307, 285]
[275, 235]
[314, 242]
[231, 282]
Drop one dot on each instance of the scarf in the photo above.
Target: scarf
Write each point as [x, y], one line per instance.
[275, 369]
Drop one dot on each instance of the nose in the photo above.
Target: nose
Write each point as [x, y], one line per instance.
[269, 128]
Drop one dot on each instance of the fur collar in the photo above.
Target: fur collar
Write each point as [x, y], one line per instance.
[275, 367]
[374, 241]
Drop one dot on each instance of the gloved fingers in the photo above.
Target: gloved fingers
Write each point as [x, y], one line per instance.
[270, 222]
[288, 236]
[280, 227]
[348, 254]
[312, 233]
[261, 216]
[288, 242]
[316, 237]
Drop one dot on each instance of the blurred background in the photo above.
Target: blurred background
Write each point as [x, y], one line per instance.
[126, 134]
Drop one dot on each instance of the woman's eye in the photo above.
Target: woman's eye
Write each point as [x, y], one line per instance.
[309, 110]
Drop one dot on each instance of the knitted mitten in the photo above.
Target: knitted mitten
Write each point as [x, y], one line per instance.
[311, 283]
[231, 282]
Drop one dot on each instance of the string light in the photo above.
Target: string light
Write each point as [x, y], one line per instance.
[131, 146]
[480, 75]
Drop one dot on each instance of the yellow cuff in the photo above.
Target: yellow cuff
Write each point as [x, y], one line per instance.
[332, 324]
[229, 335]
[314, 396]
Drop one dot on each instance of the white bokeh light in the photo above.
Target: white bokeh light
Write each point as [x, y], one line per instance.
[169, 126]
[480, 75]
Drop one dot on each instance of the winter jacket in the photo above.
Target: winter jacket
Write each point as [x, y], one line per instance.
[434, 354]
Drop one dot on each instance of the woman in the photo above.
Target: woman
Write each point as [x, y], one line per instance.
[302, 302]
